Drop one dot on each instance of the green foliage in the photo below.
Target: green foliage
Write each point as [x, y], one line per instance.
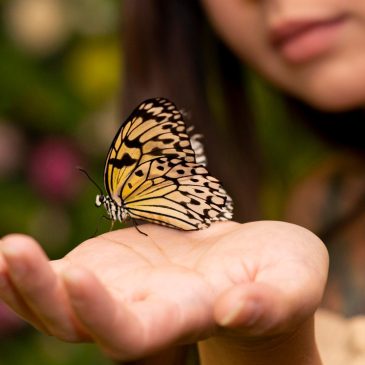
[32, 348]
[52, 92]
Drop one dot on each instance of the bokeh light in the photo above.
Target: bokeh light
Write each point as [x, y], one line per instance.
[12, 149]
[60, 78]
[37, 26]
[52, 169]
[10, 322]
[93, 70]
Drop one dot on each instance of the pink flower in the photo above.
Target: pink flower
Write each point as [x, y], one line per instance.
[9, 321]
[12, 148]
[52, 169]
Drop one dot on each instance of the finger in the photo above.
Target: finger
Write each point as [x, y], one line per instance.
[257, 309]
[10, 296]
[36, 284]
[124, 331]
[100, 314]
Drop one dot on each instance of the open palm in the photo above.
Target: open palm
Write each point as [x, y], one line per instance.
[135, 294]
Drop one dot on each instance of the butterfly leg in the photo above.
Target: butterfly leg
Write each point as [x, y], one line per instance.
[112, 221]
[136, 226]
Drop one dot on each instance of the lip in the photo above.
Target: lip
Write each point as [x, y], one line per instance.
[304, 39]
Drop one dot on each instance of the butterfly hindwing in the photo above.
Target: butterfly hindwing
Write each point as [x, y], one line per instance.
[180, 194]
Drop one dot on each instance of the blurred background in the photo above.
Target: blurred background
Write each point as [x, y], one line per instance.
[59, 84]
[60, 77]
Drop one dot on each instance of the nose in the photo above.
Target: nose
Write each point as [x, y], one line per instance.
[279, 11]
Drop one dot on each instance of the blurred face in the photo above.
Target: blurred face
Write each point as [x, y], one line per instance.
[313, 49]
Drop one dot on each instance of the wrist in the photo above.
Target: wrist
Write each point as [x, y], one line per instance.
[298, 347]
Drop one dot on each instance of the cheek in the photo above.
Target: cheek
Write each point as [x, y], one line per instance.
[237, 22]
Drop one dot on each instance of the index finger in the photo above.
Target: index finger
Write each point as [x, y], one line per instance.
[38, 286]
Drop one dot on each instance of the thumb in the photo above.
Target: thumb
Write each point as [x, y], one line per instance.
[259, 309]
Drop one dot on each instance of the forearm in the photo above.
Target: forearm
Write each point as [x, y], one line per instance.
[298, 348]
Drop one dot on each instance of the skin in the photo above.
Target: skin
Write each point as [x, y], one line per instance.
[243, 286]
[332, 81]
[246, 292]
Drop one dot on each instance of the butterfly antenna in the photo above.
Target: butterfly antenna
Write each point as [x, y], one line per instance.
[91, 179]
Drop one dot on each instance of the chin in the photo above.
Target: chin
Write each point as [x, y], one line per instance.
[335, 84]
[334, 103]
[335, 94]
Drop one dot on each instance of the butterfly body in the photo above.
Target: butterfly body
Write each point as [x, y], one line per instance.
[151, 173]
[115, 212]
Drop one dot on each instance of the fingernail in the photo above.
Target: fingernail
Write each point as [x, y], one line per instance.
[74, 278]
[11, 254]
[232, 315]
[247, 308]
[73, 275]
[8, 250]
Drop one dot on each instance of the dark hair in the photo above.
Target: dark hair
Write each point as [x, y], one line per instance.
[171, 51]
[339, 129]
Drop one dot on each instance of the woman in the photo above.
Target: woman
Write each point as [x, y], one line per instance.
[246, 292]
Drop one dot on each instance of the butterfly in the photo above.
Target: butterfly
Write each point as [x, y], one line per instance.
[152, 174]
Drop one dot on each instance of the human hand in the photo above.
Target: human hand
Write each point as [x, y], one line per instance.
[134, 295]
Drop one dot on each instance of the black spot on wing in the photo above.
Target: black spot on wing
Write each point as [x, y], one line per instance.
[160, 118]
[132, 143]
[155, 152]
[126, 160]
[167, 140]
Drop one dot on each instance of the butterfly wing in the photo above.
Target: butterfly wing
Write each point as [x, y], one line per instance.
[154, 129]
[151, 171]
[175, 193]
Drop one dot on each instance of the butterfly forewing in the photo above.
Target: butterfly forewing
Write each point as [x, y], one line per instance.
[154, 129]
